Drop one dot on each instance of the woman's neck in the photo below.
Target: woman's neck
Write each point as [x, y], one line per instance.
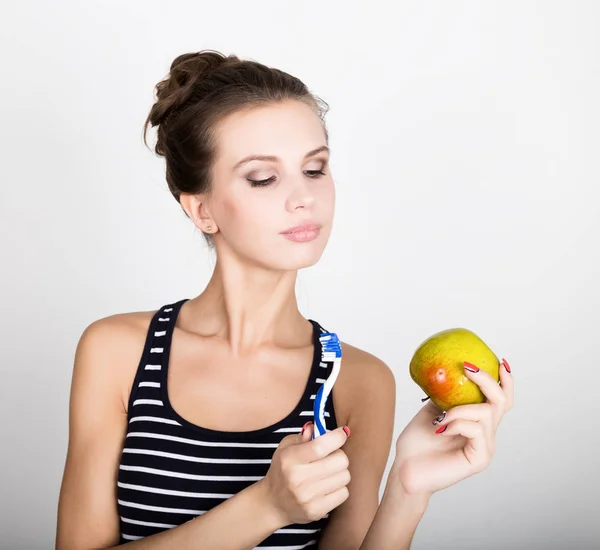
[249, 306]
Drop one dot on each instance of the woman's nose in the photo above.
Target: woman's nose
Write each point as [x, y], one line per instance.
[301, 195]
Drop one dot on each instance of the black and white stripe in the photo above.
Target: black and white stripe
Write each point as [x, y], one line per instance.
[172, 471]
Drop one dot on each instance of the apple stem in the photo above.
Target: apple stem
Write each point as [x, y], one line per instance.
[424, 399]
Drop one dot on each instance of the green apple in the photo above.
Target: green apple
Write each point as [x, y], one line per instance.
[437, 367]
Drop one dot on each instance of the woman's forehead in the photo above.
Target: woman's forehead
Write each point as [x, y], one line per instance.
[283, 131]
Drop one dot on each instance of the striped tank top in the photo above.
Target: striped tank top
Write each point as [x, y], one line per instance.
[172, 470]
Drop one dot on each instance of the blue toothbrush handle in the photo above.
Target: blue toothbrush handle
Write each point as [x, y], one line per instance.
[319, 426]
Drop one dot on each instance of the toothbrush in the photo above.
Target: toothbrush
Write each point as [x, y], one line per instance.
[332, 351]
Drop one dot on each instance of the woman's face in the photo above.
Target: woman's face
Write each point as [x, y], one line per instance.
[294, 187]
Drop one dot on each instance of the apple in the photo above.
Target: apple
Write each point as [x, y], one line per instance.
[437, 367]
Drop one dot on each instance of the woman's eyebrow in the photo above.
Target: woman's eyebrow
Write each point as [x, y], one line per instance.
[272, 158]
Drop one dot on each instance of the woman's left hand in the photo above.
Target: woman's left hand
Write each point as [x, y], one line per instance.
[427, 462]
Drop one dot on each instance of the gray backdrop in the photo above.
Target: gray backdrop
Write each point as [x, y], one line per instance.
[465, 152]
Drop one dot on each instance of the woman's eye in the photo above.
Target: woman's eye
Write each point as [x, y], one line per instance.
[263, 183]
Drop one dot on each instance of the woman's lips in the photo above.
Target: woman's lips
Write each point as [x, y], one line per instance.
[302, 234]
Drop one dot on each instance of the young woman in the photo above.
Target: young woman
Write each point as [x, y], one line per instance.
[188, 424]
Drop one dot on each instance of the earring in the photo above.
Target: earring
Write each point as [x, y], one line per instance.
[208, 228]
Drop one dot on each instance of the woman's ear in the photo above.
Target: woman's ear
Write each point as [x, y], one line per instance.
[196, 209]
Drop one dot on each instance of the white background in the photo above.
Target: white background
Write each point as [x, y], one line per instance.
[465, 140]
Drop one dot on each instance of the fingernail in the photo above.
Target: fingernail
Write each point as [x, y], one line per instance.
[506, 365]
[347, 430]
[305, 426]
[470, 367]
[439, 418]
[442, 429]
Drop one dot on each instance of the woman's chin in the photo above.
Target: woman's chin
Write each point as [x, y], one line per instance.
[297, 259]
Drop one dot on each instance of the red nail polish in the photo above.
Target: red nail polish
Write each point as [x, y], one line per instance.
[441, 429]
[470, 367]
[347, 430]
[305, 426]
[506, 365]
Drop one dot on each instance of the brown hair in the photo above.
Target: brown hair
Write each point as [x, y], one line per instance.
[201, 89]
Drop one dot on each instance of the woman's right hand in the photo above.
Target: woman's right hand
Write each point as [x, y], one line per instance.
[307, 478]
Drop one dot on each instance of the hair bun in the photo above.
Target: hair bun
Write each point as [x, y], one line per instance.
[185, 72]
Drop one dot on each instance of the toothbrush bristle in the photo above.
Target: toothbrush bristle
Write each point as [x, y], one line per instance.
[331, 344]
[332, 351]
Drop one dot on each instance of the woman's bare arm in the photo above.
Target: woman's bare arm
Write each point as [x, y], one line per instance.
[87, 508]
[87, 512]
[368, 393]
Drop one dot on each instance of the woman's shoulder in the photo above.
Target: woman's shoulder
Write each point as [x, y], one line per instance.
[110, 349]
[118, 322]
[364, 369]
[118, 331]
[363, 379]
